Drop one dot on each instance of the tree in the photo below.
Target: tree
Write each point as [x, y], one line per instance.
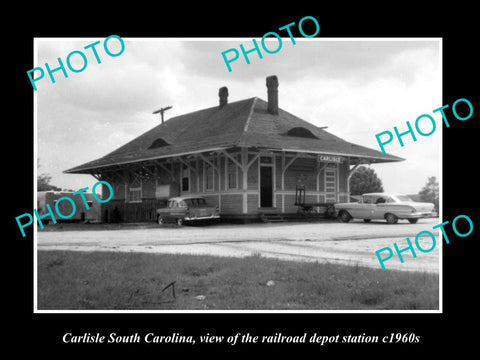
[431, 192]
[43, 181]
[365, 180]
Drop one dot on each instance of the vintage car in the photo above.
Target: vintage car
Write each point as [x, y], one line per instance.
[186, 208]
[384, 206]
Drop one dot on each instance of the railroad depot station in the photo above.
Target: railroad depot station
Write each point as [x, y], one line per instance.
[248, 157]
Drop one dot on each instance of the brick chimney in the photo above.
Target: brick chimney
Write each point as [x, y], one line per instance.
[223, 96]
[272, 90]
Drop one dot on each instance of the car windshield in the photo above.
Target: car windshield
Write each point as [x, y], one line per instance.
[403, 198]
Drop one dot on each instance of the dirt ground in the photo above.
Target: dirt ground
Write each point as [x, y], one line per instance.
[329, 241]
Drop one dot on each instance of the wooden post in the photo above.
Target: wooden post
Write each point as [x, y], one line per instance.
[350, 173]
[318, 170]
[244, 180]
[285, 166]
[219, 163]
[198, 174]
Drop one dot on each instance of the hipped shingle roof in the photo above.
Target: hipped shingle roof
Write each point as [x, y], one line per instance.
[241, 123]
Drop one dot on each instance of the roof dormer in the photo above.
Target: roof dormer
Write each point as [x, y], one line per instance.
[158, 143]
[301, 132]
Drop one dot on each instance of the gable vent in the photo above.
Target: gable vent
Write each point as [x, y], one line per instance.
[301, 132]
[158, 143]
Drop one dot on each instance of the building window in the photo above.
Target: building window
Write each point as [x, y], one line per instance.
[208, 176]
[185, 178]
[135, 194]
[185, 183]
[133, 191]
[232, 173]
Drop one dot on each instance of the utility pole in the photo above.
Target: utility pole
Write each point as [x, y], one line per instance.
[161, 111]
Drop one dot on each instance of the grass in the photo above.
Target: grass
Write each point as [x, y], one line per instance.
[71, 280]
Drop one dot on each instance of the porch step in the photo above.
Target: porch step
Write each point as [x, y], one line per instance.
[272, 217]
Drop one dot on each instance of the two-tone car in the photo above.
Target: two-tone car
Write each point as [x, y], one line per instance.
[187, 208]
[390, 207]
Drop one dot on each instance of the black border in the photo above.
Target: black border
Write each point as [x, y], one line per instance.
[456, 25]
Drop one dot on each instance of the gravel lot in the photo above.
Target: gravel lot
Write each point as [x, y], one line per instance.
[328, 241]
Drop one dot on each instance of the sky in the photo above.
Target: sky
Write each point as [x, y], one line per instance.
[355, 87]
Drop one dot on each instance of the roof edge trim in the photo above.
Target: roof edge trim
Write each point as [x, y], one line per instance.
[69, 171]
[397, 158]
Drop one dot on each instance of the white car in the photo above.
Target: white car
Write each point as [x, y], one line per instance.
[384, 206]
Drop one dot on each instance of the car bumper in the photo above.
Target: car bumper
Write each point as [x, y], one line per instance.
[417, 215]
[201, 217]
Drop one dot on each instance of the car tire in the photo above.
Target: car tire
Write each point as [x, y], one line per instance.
[367, 220]
[160, 220]
[179, 221]
[330, 211]
[412, 221]
[345, 216]
[391, 219]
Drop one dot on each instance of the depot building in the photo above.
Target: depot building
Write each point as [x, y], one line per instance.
[247, 157]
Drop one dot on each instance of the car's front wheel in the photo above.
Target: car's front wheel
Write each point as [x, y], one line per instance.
[391, 219]
[345, 216]
[160, 220]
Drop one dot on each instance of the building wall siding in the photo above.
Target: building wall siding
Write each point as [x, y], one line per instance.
[118, 189]
[290, 203]
[278, 199]
[302, 171]
[231, 203]
[252, 201]
[148, 188]
[163, 177]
